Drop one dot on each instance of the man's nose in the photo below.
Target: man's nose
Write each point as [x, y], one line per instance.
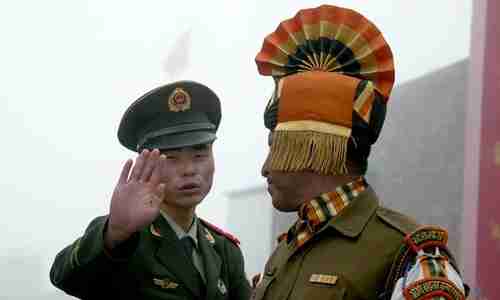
[188, 168]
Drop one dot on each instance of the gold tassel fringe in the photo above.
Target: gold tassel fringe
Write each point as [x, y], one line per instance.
[323, 153]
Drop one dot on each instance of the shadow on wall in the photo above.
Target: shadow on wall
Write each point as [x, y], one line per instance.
[417, 165]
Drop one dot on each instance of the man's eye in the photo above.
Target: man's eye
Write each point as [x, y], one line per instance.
[171, 157]
[201, 154]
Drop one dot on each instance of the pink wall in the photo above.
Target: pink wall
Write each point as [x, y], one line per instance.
[481, 247]
[488, 261]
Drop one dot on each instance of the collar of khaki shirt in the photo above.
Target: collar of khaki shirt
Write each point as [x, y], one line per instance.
[351, 220]
[317, 212]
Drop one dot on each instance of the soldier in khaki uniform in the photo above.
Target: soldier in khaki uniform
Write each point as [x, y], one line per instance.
[333, 73]
[152, 245]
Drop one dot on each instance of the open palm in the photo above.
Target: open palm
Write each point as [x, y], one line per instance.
[137, 196]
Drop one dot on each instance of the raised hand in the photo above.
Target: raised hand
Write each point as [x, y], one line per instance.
[137, 197]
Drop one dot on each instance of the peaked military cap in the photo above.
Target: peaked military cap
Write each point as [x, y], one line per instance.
[179, 114]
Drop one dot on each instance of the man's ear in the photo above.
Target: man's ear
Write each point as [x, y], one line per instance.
[354, 169]
[270, 138]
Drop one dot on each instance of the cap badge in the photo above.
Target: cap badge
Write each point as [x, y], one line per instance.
[179, 100]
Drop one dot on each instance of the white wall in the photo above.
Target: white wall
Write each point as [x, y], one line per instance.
[250, 219]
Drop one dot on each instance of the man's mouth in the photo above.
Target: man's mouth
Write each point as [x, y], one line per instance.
[189, 188]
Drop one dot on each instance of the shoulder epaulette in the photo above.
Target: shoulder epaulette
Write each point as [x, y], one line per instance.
[402, 223]
[420, 239]
[227, 235]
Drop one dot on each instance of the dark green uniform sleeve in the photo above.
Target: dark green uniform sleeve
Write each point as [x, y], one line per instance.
[84, 268]
[239, 287]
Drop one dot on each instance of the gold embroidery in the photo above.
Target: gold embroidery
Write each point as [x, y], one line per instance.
[179, 100]
[165, 283]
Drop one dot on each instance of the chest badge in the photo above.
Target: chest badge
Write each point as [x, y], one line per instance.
[165, 283]
[222, 287]
[179, 100]
[323, 279]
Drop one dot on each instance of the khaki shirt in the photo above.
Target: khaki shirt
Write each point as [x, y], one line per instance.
[349, 258]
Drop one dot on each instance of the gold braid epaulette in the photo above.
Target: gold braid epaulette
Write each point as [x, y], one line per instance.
[421, 239]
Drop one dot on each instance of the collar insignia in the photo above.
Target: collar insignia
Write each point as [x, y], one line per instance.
[154, 231]
[209, 237]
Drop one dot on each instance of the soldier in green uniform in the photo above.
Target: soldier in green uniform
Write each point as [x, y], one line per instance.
[333, 74]
[152, 245]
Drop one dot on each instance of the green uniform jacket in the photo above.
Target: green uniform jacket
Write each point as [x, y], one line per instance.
[150, 265]
[355, 251]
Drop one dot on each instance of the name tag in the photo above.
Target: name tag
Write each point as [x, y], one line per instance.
[323, 279]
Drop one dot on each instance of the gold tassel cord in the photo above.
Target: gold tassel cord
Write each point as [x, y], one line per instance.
[293, 151]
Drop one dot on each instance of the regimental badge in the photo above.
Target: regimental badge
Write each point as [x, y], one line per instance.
[426, 236]
[179, 100]
[426, 288]
[222, 287]
[165, 283]
[324, 279]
